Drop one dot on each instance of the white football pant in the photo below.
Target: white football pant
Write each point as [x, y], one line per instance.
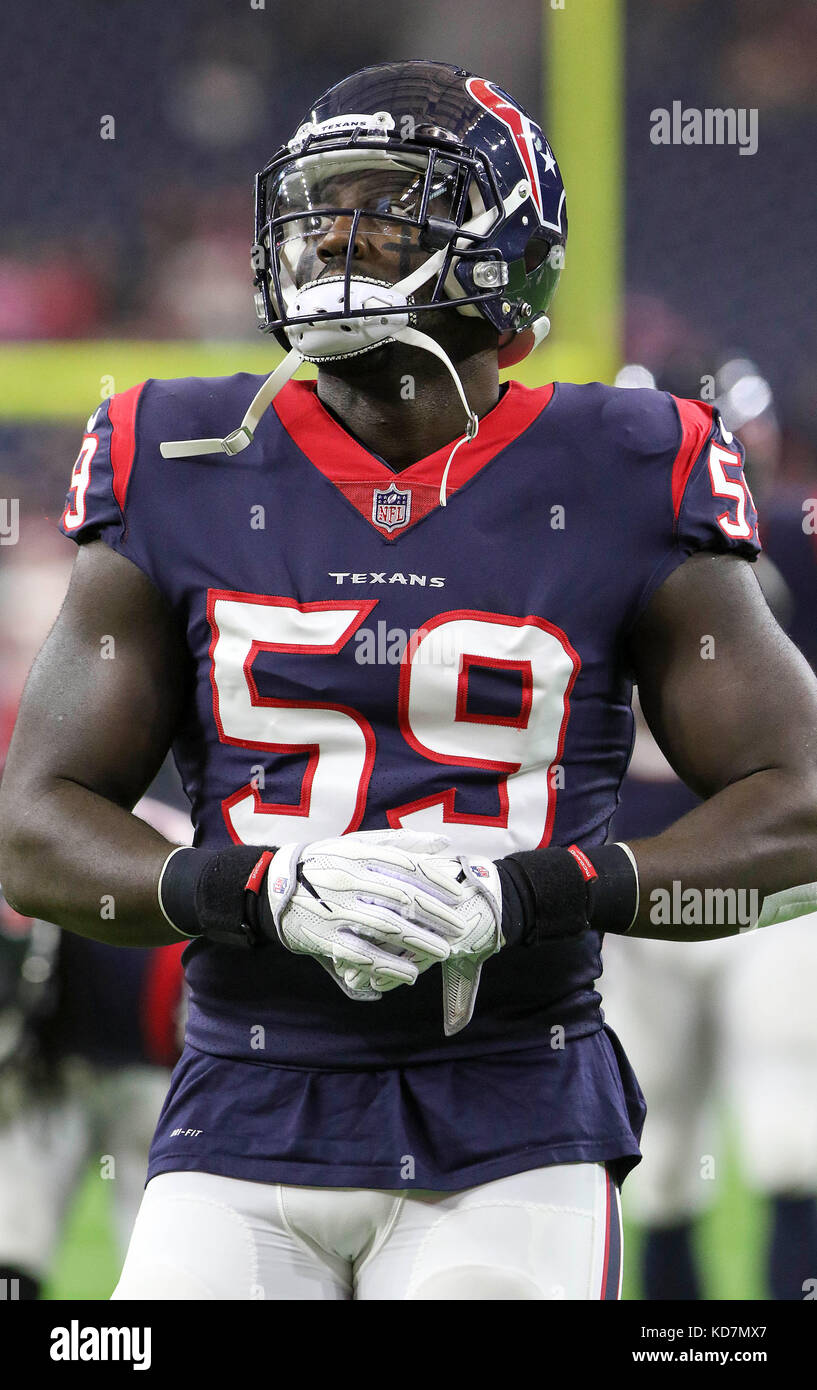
[551, 1233]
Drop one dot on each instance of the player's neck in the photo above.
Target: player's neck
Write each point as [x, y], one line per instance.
[409, 409]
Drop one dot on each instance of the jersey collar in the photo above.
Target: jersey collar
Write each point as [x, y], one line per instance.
[357, 472]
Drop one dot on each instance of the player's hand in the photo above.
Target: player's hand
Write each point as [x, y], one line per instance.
[460, 899]
[455, 902]
[349, 902]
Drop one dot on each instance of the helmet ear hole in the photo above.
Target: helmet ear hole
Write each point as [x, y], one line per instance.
[536, 251]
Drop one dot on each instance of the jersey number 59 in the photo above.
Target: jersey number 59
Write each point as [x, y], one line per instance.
[519, 749]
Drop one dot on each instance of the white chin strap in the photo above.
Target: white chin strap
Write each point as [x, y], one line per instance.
[317, 340]
[241, 437]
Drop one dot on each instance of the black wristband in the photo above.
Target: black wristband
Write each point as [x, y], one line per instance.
[205, 893]
[613, 893]
[554, 892]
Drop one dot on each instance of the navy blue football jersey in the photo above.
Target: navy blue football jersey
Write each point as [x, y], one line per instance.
[365, 657]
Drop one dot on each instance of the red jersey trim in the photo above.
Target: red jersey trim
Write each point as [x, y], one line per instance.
[697, 420]
[122, 415]
[342, 459]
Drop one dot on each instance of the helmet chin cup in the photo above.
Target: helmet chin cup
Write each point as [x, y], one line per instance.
[523, 343]
[319, 340]
[541, 328]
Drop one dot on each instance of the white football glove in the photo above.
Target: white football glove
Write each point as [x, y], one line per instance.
[344, 902]
[461, 900]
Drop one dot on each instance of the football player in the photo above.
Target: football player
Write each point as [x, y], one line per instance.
[440, 797]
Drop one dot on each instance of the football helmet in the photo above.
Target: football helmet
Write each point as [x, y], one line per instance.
[424, 158]
[422, 146]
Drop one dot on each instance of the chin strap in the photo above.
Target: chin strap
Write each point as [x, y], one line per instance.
[241, 437]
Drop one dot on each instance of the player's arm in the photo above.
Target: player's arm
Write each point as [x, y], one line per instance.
[96, 719]
[95, 722]
[733, 706]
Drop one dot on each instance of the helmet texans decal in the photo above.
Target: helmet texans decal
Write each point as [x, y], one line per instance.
[520, 126]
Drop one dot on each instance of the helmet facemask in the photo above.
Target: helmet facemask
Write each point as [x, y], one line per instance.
[418, 211]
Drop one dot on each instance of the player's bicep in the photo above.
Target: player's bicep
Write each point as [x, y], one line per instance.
[104, 695]
[723, 689]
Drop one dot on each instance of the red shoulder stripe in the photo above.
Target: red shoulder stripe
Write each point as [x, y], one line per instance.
[122, 415]
[696, 424]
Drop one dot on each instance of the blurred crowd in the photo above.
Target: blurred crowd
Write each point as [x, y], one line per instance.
[165, 114]
[141, 127]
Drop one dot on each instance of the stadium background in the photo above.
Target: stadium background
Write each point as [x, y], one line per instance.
[125, 257]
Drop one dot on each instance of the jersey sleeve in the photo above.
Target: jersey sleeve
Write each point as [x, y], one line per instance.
[713, 508]
[96, 504]
[694, 496]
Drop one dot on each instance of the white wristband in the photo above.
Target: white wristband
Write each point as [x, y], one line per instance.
[183, 934]
[631, 858]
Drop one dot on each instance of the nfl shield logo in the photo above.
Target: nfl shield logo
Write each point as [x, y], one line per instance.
[391, 509]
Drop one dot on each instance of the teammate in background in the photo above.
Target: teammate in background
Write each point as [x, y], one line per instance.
[97, 1030]
[332, 1133]
[729, 1024]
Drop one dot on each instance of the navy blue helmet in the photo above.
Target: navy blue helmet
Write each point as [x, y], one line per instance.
[425, 146]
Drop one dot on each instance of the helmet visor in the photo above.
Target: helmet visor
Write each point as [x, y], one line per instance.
[315, 202]
[371, 180]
